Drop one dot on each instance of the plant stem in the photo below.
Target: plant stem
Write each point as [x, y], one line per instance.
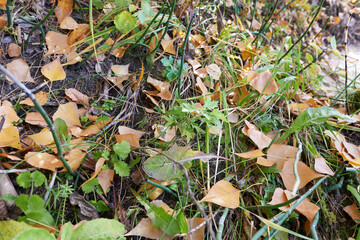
[8, 13]
[43, 114]
[296, 161]
[221, 224]
[313, 226]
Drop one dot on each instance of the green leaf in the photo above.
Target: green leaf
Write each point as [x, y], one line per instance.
[161, 168]
[20, 231]
[89, 186]
[24, 180]
[124, 22]
[159, 218]
[66, 232]
[181, 219]
[104, 229]
[100, 205]
[314, 116]
[122, 149]
[333, 43]
[38, 178]
[146, 8]
[122, 169]
[122, 3]
[98, 4]
[8, 198]
[61, 129]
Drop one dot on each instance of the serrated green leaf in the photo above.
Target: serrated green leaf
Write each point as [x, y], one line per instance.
[24, 180]
[122, 169]
[122, 149]
[161, 168]
[89, 186]
[314, 116]
[124, 21]
[104, 229]
[159, 218]
[38, 178]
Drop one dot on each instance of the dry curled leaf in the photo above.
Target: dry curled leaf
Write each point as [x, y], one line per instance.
[259, 138]
[105, 178]
[167, 44]
[78, 34]
[63, 9]
[162, 88]
[321, 166]
[69, 23]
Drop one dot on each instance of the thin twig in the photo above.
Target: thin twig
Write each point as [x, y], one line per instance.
[16, 170]
[51, 185]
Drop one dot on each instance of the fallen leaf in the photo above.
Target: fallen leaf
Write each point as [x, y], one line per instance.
[167, 136]
[194, 63]
[251, 154]
[43, 160]
[121, 74]
[74, 158]
[78, 34]
[14, 50]
[119, 51]
[35, 118]
[9, 137]
[74, 95]
[87, 210]
[89, 130]
[167, 44]
[279, 153]
[132, 139]
[145, 229]
[353, 212]
[53, 71]
[44, 137]
[56, 43]
[162, 87]
[297, 108]
[69, 23]
[259, 138]
[105, 178]
[41, 97]
[69, 113]
[63, 10]
[321, 167]
[20, 69]
[3, 3]
[214, 71]
[224, 194]
[193, 224]
[73, 57]
[126, 130]
[10, 116]
[98, 166]
[262, 83]
[306, 174]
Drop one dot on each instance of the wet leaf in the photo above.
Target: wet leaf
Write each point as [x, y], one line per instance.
[20, 69]
[53, 71]
[87, 210]
[224, 194]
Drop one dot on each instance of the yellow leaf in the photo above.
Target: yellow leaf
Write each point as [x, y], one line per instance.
[53, 71]
[223, 194]
[9, 137]
[69, 113]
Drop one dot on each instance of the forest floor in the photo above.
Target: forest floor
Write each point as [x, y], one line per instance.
[179, 119]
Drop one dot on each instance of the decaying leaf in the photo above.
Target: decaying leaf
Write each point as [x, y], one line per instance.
[87, 211]
[20, 69]
[263, 82]
[145, 229]
[224, 194]
[259, 138]
[214, 71]
[98, 166]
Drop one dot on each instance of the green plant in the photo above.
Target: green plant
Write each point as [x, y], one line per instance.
[189, 119]
[27, 179]
[172, 68]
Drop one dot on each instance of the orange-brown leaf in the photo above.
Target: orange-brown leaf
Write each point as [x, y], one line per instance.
[20, 69]
[224, 194]
[14, 50]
